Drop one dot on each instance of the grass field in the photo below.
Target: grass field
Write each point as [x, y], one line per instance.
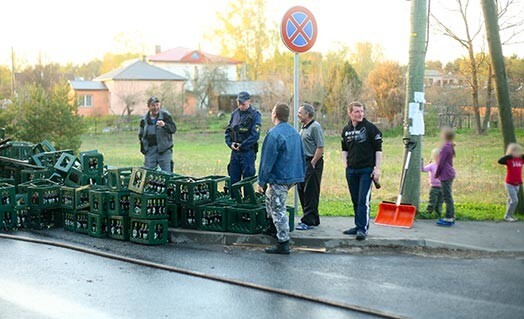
[479, 191]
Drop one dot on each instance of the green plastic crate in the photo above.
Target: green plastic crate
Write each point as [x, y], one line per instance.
[244, 192]
[98, 200]
[150, 206]
[213, 217]
[74, 178]
[174, 214]
[42, 147]
[221, 186]
[92, 163]
[18, 150]
[7, 196]
[97, 180]
[41, 219]
[194, 192]
[148, 181]
[27, 175]
[22, 216]
[82, 222]
[118, 227]
[148, 232]
[69, 220]
[48, 159]
[118, 178]
[189, 217]
[74, 198]
[246, 220]
[44, 196]
[65, 163]
[171, 191]
[98, 225]
[8, 219]
[118, 203]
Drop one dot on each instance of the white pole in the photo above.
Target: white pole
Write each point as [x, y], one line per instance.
[295, 113]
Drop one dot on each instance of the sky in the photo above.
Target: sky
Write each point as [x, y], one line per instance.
[78, 31]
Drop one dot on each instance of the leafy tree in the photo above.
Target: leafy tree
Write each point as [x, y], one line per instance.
[37, 114]
[364, 56]
[386, 83]
[170, 96]
[343, 86]
[5, 82]
[244, 34]
[434, 65]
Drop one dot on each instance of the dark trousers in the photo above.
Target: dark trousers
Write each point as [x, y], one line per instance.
[309, 192]
[435, 200]
[447, 196]
[359, 183]
[241, 165]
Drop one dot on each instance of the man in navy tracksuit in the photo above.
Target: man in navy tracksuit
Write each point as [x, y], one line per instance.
[362, 155]
[242, 135]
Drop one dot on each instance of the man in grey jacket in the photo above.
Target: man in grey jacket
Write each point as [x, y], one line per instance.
[156, 137]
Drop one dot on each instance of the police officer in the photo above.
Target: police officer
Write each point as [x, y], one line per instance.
[242, 136]
[156, 136]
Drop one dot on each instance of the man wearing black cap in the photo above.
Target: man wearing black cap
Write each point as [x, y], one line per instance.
[242, 135]
[156, 137]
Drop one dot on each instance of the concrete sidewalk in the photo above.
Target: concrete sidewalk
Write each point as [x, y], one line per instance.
[490, 237]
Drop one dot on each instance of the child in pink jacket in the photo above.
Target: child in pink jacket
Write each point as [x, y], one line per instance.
[435, 192]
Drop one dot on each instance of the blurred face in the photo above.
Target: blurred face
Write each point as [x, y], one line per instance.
[154, 108]
[356, 114]
[243, 106]
[516, 153]
[302, 115]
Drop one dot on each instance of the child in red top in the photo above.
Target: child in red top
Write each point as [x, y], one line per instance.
[513, 161]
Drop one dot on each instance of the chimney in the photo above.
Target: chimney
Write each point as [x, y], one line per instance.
[158, 49]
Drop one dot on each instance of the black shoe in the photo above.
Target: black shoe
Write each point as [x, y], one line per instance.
[361, 235]
[279, 248]
[351, 231]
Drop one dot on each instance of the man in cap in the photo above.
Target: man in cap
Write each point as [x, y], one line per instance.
[242, 135]
[156, 136]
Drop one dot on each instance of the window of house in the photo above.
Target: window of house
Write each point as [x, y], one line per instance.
[85, 100]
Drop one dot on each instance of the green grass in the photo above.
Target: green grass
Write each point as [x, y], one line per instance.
[479, 191]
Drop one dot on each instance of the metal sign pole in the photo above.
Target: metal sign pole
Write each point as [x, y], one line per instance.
[295, 113]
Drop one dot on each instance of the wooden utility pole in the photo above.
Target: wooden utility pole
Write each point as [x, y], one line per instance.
[501, 81]
[414, 97]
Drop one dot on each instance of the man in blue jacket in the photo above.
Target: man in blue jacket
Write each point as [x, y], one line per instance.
[242, 136]
[282, 165]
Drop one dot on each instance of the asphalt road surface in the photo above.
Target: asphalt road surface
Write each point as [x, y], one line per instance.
[38, 281]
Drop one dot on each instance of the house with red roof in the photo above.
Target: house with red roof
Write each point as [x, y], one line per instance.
[190, 63]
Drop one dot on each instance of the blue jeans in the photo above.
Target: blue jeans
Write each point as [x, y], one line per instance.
[241, 165]
[359, 183]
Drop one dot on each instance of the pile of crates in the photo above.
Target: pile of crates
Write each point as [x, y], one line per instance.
[85, 196]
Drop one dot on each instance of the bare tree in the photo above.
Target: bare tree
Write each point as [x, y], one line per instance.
[207, 83]
[467, 37]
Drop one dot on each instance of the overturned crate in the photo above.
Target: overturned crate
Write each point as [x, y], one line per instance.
[148, 181]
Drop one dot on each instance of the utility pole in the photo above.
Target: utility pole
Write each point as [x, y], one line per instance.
[414, 108]
[501, 82]
[12, 72]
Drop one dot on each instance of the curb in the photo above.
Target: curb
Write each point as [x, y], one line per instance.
[186, 236]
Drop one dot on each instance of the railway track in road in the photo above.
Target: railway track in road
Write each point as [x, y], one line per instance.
[248, 285]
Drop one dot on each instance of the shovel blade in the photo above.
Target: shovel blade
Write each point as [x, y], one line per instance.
[390, 214]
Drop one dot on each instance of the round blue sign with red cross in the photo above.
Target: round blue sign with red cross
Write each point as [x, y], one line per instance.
[299, 29]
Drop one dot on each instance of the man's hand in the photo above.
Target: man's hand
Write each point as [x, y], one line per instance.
[235, 147]
[160, 123]
[313, 164]
[376, 174]
[260, 189]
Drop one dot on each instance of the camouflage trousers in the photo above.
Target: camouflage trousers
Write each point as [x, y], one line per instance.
[276, 208]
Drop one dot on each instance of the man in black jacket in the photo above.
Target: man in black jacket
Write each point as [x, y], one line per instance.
[156, 137]
[362, 156]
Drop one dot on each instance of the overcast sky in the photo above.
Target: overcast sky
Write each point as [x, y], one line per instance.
[77, 31]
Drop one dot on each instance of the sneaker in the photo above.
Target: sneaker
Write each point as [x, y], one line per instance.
[445, 222]
[510, 219]
[302, 226]
[360, 235]
[351, 231]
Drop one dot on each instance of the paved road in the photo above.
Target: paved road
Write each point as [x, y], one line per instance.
[416, 287]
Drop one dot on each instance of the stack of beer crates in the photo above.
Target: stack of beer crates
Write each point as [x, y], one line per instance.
[213, 216]
[43, 202]
[74, 202]
[148, 209]
[118, 202]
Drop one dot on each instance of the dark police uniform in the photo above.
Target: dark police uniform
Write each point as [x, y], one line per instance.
[243, 128]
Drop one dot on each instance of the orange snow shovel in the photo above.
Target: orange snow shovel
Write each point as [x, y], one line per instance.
[399, 214]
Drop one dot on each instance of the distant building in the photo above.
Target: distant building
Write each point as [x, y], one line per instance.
[92, 97]
[190, 63]
[439, 78]
[129, 86]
